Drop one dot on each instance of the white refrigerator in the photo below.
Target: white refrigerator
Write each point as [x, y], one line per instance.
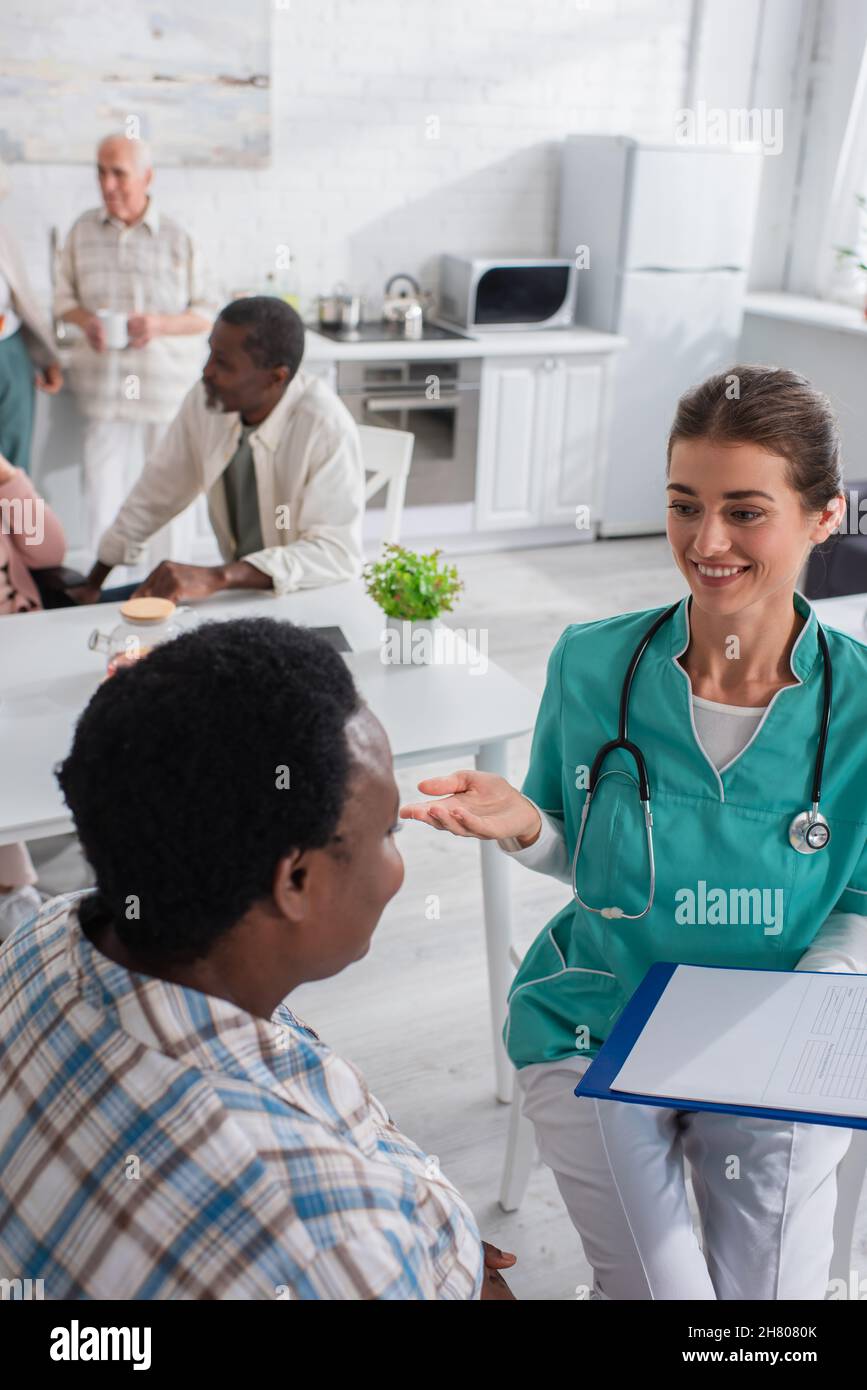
[666, 233]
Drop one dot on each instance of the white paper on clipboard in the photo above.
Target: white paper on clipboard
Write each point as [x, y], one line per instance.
[785, 1040]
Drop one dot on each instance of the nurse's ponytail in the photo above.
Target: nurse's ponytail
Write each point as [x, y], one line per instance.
[778, 410]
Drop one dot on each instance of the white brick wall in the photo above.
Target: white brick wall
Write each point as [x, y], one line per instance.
[355, 188]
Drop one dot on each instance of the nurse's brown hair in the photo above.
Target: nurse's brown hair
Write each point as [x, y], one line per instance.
[778, 410]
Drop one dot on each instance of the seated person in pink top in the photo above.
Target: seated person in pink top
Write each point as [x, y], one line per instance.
[31, 538]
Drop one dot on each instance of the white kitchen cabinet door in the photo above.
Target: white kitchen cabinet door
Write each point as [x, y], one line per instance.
[568, 459]
[508, 486]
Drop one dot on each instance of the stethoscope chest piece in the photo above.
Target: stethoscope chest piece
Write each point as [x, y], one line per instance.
[809, 832]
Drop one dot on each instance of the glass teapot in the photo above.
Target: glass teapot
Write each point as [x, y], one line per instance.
[145, 624]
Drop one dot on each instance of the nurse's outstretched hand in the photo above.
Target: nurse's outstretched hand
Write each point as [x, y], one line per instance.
[478, 804]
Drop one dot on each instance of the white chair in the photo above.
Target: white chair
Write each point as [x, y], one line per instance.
[851, 1170]
[850, 1179]
[387, 455]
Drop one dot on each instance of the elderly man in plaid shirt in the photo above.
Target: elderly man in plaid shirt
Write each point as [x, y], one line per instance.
[129, 256]
[168, 1127]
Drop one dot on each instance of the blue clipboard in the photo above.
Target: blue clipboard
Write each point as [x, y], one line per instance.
[597, 1079]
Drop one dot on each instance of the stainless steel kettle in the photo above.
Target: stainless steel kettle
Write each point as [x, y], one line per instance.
[404, 308]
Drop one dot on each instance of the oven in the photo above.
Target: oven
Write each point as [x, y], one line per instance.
[437, 400]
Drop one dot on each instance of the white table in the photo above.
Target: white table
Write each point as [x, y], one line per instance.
[845, 613]
[47, 675]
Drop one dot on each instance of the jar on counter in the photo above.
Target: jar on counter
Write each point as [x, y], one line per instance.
[145, 623]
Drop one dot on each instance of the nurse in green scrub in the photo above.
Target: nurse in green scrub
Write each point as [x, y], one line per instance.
[726, 706]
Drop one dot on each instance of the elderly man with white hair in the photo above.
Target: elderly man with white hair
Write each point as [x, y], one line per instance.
[128, 257]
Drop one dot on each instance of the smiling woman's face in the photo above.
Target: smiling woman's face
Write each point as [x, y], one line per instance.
[737, 528]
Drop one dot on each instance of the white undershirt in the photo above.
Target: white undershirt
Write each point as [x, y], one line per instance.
[724, 730]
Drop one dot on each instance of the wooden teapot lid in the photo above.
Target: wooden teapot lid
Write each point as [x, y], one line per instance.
[147, 610]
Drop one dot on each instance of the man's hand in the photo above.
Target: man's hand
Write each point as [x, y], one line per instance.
[91, 590]
[142, 328]
[6, 470]
[94, 331]
[173, 580]
[50, 379]
[493, 1283]
[83, 593]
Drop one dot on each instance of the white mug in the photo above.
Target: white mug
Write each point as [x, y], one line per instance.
[114, 323]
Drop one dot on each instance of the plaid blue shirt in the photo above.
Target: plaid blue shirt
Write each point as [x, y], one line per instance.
[156, 1142]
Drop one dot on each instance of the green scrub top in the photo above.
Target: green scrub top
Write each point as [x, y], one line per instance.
[730, 889]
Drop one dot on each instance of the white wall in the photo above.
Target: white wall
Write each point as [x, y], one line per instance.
[357, 190]
[839, 36]
[834, 361]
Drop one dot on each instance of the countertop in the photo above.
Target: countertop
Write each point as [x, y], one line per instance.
[798, 308]
[545, 342]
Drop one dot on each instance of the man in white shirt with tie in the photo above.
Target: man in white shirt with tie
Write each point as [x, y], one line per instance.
[276, 453]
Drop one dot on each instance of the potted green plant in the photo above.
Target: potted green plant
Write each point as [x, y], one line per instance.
[412, 590]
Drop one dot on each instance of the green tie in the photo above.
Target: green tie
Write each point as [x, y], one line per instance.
[239, 481]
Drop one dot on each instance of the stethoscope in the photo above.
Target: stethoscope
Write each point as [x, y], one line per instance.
[808, 832]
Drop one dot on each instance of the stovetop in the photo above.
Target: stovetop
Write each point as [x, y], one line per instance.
[380, 332]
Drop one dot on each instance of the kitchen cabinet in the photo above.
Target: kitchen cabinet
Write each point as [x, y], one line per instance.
[326, 371]
[541, 442]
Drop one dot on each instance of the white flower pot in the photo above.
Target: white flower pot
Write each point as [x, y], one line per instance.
[409, 643]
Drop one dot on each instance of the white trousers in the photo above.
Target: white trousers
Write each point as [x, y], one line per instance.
[766, 1191]
[115, 452]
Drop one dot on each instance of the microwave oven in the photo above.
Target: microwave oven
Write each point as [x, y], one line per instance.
[502, 294]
